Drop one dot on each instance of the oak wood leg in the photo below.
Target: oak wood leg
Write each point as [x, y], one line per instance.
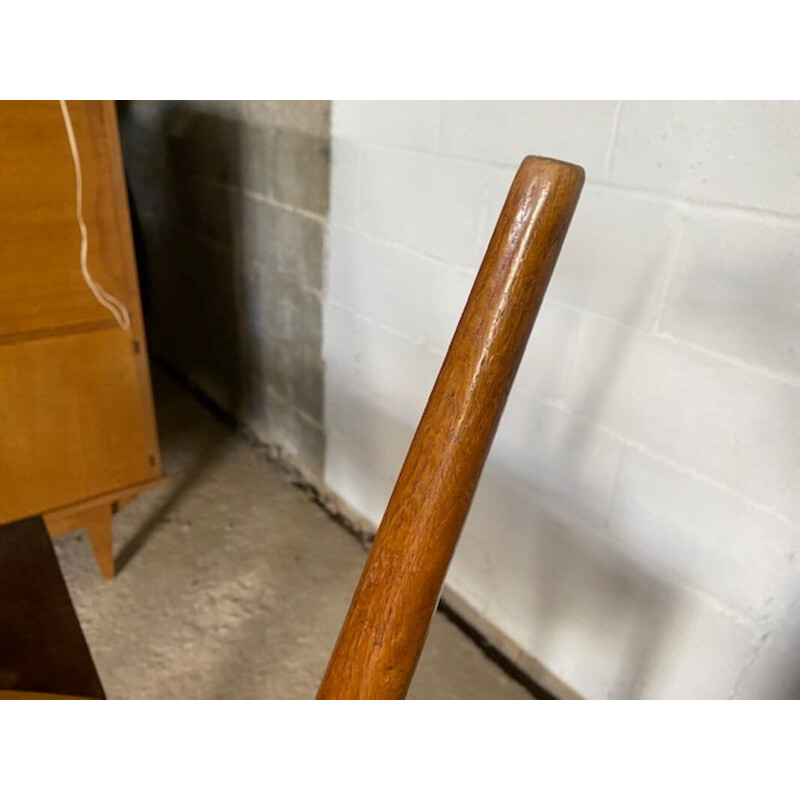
[101, 537]
[96, 520]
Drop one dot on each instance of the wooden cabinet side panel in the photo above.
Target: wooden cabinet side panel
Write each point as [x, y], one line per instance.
[115, 178]
[71, 422]
[76, 408]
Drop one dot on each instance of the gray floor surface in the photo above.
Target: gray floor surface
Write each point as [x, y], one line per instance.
[232, 583]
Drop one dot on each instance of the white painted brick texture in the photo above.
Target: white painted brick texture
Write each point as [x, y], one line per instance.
[638, 525]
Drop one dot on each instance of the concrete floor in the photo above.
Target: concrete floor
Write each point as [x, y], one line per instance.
[233, 584]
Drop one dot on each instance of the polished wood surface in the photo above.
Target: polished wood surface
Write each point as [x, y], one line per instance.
[72, 420]
[76, 405]
[42, 647]
[94, 515]
[41, 287]
[96, 521]
[387, 623]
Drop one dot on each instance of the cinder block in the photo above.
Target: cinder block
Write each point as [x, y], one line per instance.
[737, 153]
[615, 255]
[379, 281]
[443, 302]
[256, 230]
[309, 442]
[731, 425]
[568, 466]
[392, 372]
[546, 367]
[431, 205]
[302, 169]
[307, 116]
[306, 385]
[276, 365]
[295, 314]
[398, 372]
[563, 593]
[380, 436]
[302, 439]
[697, 653]
[604, 623]
[287, 243]
[342, 344]
[237, 279]
[355, 479]
[506, 132]
[704, 538]
[669, 597]
[402, 123]
[344, 182]
[253, 158]
[260, 284]
[736, 289]
[298, 248]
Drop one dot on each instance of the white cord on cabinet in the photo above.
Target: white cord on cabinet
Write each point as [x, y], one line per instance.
[116, 307]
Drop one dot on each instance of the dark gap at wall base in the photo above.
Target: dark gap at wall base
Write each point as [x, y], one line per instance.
[222, 414]
[495, 655]
[294, 477]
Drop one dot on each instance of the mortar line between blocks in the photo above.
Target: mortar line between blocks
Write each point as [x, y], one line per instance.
[401, 248]
[641, 191]
[695, 204]
[656, 456]
[360, 316]
[269, 201]
[664, 336]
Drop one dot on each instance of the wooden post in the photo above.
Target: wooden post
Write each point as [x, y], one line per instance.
[388, 620]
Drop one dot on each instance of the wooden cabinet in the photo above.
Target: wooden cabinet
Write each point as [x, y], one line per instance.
[77, 428]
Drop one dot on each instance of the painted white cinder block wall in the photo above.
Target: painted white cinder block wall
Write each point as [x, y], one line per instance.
[638, 523]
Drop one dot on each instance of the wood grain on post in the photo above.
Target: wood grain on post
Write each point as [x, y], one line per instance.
[388, 620]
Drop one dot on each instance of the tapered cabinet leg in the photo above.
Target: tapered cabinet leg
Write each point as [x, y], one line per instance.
[100, 535]
[96, 520]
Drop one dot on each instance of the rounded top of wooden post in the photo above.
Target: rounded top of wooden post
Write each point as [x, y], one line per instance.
[541, 176]
[551, 167]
